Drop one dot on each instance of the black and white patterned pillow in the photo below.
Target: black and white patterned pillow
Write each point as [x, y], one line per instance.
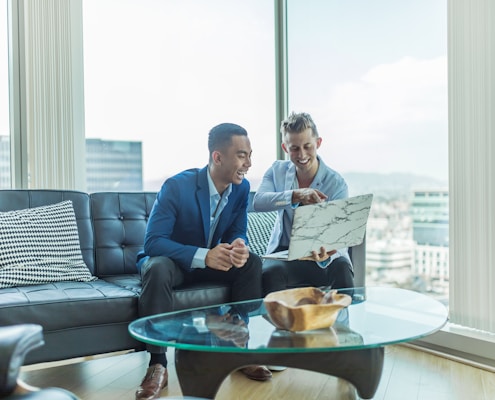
[259, 230]
[41, 245]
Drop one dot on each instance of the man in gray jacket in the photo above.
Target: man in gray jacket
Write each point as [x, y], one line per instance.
[304, 179]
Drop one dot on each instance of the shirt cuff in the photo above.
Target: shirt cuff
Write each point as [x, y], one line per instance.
[199, 259]
[328, 261]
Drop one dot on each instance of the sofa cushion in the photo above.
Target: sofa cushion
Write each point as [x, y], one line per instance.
[41, 245]
[68, 305]
[259, 229]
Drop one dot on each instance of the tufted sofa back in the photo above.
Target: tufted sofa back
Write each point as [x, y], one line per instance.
[119, 222]
[112, 226]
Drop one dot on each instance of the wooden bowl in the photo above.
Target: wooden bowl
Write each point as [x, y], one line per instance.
[303, 309]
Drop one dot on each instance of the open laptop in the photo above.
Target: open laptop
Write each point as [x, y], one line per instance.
[333, 224]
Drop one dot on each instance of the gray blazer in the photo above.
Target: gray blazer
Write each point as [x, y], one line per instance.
[275, 194]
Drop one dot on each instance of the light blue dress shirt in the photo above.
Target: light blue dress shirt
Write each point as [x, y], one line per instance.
[217, 204]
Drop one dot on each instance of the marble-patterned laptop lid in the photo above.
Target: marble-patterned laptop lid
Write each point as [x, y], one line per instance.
[333, 224]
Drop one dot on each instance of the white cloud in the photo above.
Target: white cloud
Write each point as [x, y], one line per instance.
[391, 95]
[396, 115]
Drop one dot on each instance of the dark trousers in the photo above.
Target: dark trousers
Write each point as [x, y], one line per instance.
[280, 275]
[160, 275]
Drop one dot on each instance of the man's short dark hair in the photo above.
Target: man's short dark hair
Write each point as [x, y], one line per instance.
[220, 136]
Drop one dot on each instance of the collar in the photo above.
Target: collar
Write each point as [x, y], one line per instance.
[213, 190]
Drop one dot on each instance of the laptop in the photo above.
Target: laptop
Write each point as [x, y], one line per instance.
[333, 224]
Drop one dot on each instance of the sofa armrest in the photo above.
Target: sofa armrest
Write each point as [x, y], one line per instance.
[260, 226]
[15, 342]
[358, 258]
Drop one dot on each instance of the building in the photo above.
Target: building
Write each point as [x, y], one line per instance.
[388, 262]
[389, 245]
[110, 165]
[113, 165]
[430, 216]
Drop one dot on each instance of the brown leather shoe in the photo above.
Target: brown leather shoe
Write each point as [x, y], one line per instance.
[257, 372]
[154, 381]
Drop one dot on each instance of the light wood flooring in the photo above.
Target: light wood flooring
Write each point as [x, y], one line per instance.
[409, 374]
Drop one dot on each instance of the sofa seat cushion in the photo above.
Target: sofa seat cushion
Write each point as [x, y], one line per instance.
[64, 305]
[131, 282]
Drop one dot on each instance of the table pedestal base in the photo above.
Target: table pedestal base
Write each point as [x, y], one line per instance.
[201, 373]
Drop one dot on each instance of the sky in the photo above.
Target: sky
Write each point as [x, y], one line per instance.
[373, 74]
[380, 99]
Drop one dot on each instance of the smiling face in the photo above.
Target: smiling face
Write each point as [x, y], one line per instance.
[230, 164]
[302, 149]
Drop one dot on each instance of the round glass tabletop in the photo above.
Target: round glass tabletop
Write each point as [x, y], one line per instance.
[377, 316]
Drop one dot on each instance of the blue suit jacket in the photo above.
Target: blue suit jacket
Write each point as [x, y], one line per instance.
[179, 222]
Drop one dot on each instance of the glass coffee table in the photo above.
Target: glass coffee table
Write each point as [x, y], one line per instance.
[211, 342]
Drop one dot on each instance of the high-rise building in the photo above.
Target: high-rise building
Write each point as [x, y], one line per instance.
[389, 244]
[430, 213]
[114, 165]
[111, 165]
[388, 262]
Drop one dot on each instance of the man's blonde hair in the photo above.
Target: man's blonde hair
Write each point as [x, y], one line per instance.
[297, 123]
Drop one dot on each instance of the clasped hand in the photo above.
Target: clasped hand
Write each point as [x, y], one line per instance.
[224, 256]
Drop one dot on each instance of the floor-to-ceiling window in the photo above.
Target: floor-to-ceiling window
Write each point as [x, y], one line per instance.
[4, 100]
[159, 74]
[373, 74]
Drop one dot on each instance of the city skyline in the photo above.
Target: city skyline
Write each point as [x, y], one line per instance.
[394, 183]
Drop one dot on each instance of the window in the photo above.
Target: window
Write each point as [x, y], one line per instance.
[374, 77]
[165, 74]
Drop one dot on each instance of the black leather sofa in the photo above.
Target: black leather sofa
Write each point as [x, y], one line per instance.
[88, 318]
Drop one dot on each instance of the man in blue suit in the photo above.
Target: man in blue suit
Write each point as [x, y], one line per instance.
[197, 233]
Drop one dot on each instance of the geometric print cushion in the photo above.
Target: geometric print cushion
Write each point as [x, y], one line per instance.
[41, 245]
[259, 230]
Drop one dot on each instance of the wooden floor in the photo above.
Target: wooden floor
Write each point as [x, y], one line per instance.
[408, 374]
